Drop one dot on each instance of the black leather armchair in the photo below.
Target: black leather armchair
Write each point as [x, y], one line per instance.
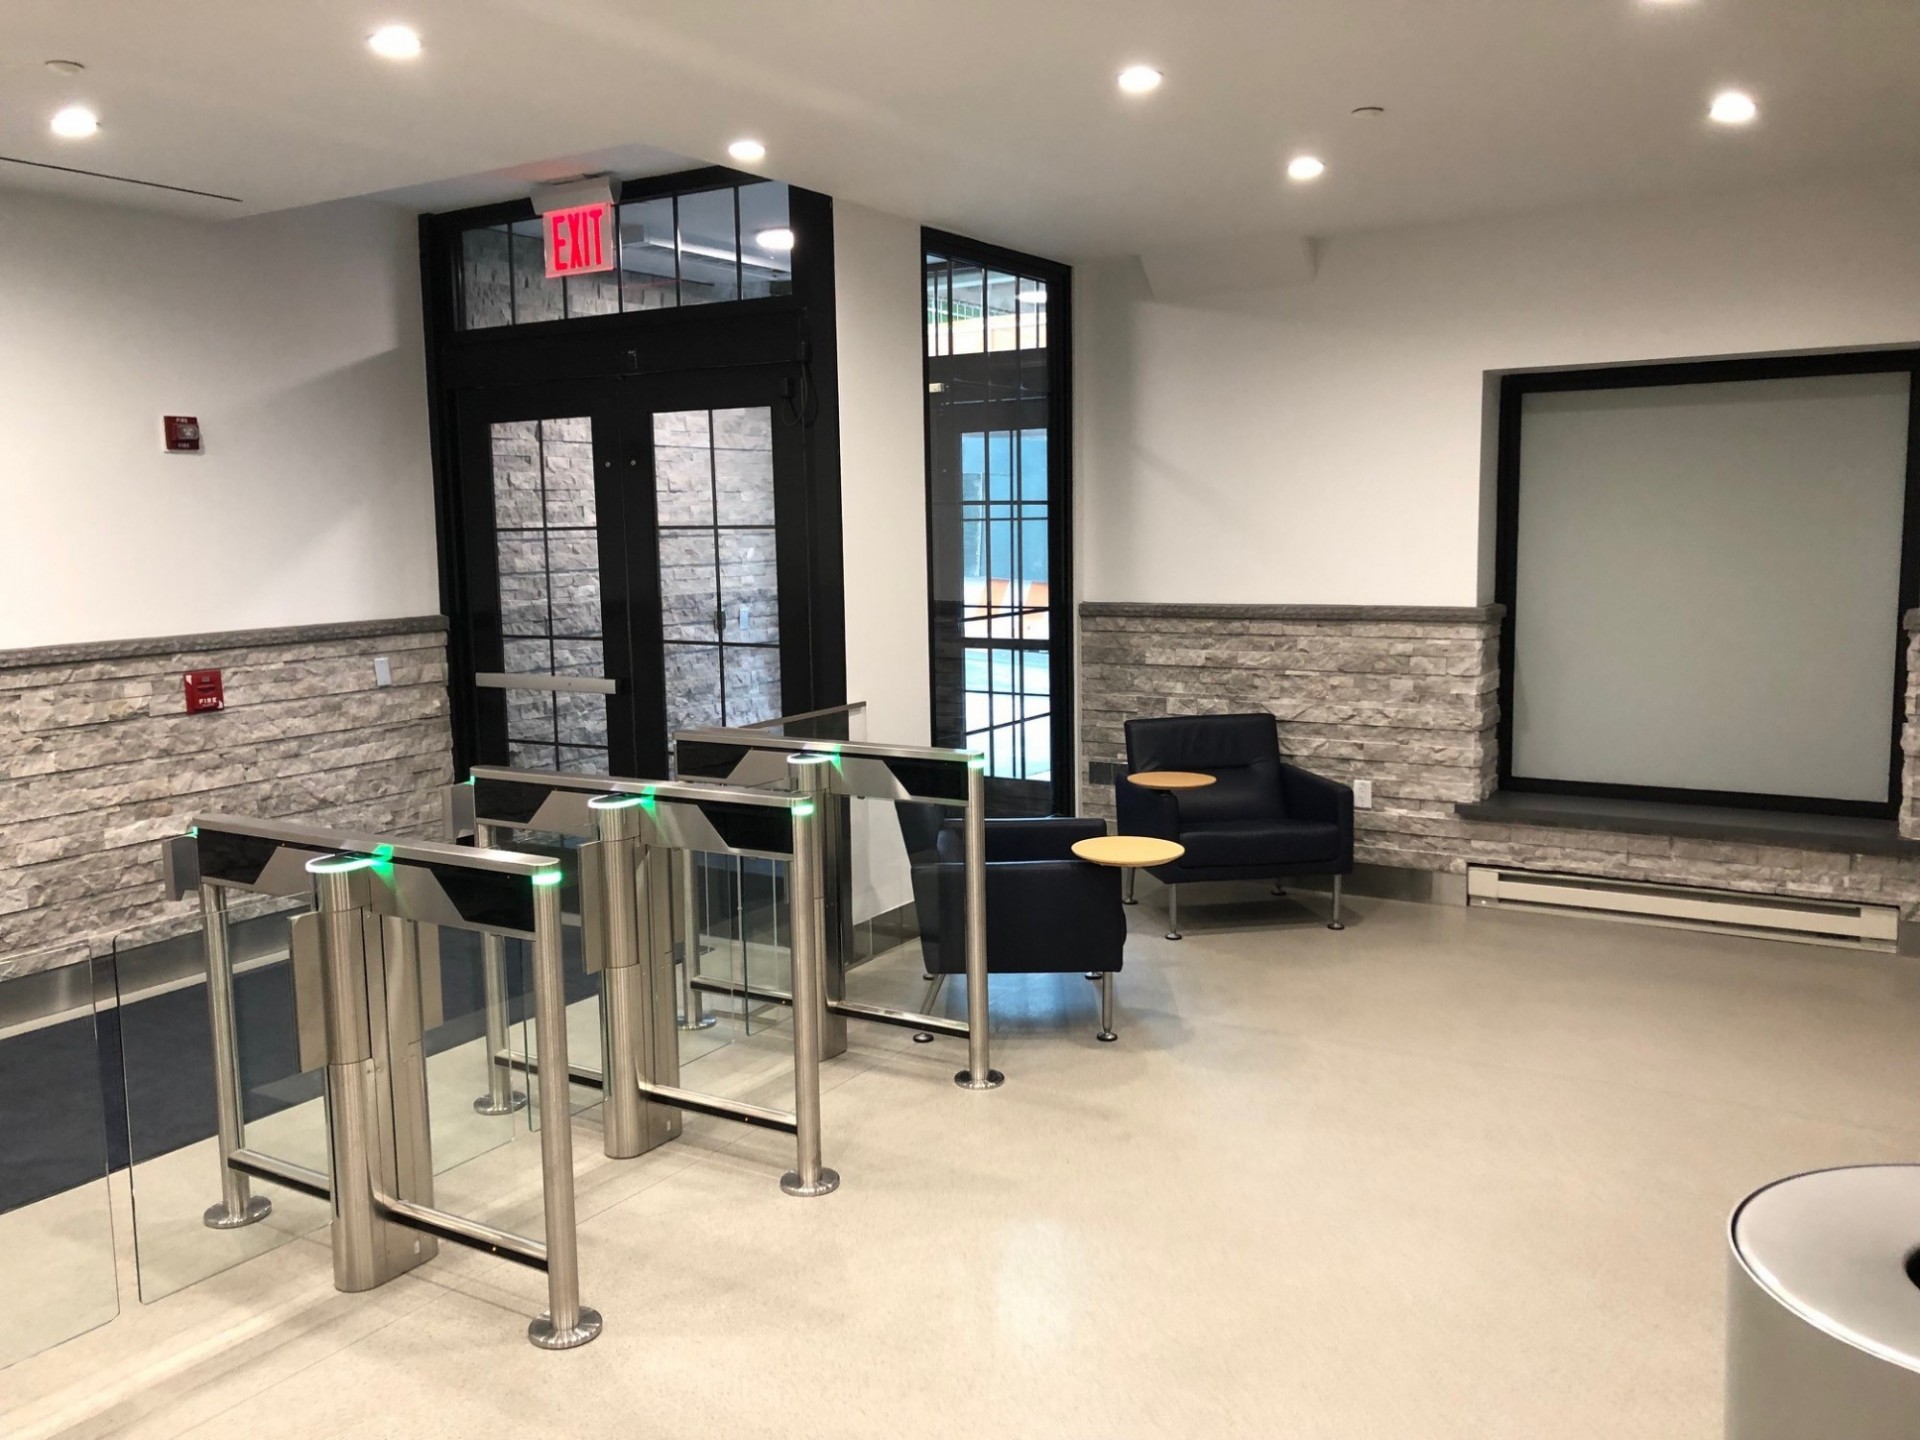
[1261, 819]
[1048, 912]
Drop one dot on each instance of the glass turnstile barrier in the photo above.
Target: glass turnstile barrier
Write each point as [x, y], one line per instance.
[903, 824]
[350, 1062]
[57, 1265]
[167, 1070]
[687, 899]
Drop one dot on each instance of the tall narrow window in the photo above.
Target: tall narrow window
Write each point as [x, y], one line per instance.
[1000, 600]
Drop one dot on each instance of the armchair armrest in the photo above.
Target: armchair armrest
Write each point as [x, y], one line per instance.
[1042, 916]
[1314, 797]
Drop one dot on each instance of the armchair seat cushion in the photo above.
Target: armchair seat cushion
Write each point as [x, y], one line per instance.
[1222, 843]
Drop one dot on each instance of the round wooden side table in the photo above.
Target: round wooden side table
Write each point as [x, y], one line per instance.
[1129, 853]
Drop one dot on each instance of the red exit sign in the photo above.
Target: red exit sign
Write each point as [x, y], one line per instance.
[579, 239]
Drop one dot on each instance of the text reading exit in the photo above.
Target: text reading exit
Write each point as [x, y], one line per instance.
[579, 240]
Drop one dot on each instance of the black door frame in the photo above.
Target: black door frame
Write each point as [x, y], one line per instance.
[1058, 361]
[1514, 388]
[788, 341]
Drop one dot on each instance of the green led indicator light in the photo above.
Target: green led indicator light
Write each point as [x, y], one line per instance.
[467, 781]
[193, 832]
[618, 802]
[548, 878]
[805, 807]
[339, 864]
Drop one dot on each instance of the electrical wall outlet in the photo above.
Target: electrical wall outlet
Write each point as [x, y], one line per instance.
[1363, 794]
[382, 671]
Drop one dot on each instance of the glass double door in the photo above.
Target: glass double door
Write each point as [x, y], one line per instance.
[634, 565]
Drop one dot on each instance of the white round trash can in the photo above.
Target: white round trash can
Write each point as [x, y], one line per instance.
[1823, 1312]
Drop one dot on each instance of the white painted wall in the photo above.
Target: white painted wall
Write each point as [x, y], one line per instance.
[296, 340]
[879, 314]
[1328, 442]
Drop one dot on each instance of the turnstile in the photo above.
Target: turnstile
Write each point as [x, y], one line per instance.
[755, 757]
[632, 831]
[366, 986]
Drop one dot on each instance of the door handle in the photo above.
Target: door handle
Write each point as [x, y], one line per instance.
[571, 684]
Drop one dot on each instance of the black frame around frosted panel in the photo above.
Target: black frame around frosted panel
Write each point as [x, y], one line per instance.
[780, 346]
[1513, 391]
[1010, 391]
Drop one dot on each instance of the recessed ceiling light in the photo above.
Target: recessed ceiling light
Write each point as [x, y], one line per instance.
[747, 151]
[1733, 107]
[1369, 112]
[76, 122]
[1305, 167]
[65, 67]
[781, 239]
[394, 42]
[1139, 79]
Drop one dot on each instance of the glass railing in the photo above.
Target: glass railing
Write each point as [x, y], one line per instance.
[57, 1265]
[167, 1072]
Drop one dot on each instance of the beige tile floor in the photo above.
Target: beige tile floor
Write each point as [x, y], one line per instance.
[1448, 1174]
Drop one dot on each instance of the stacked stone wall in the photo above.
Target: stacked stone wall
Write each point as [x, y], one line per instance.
[1409, 699]
[100, 762]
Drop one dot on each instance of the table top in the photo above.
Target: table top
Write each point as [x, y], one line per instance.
[1171, 779]
[1128, 851]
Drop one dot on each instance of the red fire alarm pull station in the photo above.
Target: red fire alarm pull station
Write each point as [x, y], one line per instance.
[204, 692]
[183, 434]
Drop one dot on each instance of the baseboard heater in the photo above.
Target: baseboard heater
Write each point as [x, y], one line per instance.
[1687, 907]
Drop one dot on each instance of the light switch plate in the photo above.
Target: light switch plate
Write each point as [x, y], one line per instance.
[382, 671]
[1363, 794]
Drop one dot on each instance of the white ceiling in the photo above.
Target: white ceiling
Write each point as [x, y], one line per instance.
[995, 117]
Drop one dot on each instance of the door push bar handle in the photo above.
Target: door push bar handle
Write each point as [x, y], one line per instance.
[572, 684]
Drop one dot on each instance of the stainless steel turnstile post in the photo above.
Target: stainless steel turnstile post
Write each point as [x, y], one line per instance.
[620, 928]
[238, 1205]
[376, 1092]
[833, 937]
[567, 1322]
[805, 882]
[979, 1074]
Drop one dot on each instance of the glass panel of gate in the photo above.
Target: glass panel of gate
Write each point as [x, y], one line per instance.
[479, 1097]
[765, 940]
[746, 1053]
[705, 1017]
[892, 921]
[168, 1064]
[584, 1037]
[475, 1008]
[56, 1219]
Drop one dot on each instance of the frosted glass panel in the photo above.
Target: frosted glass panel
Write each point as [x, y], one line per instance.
[1707, 591]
